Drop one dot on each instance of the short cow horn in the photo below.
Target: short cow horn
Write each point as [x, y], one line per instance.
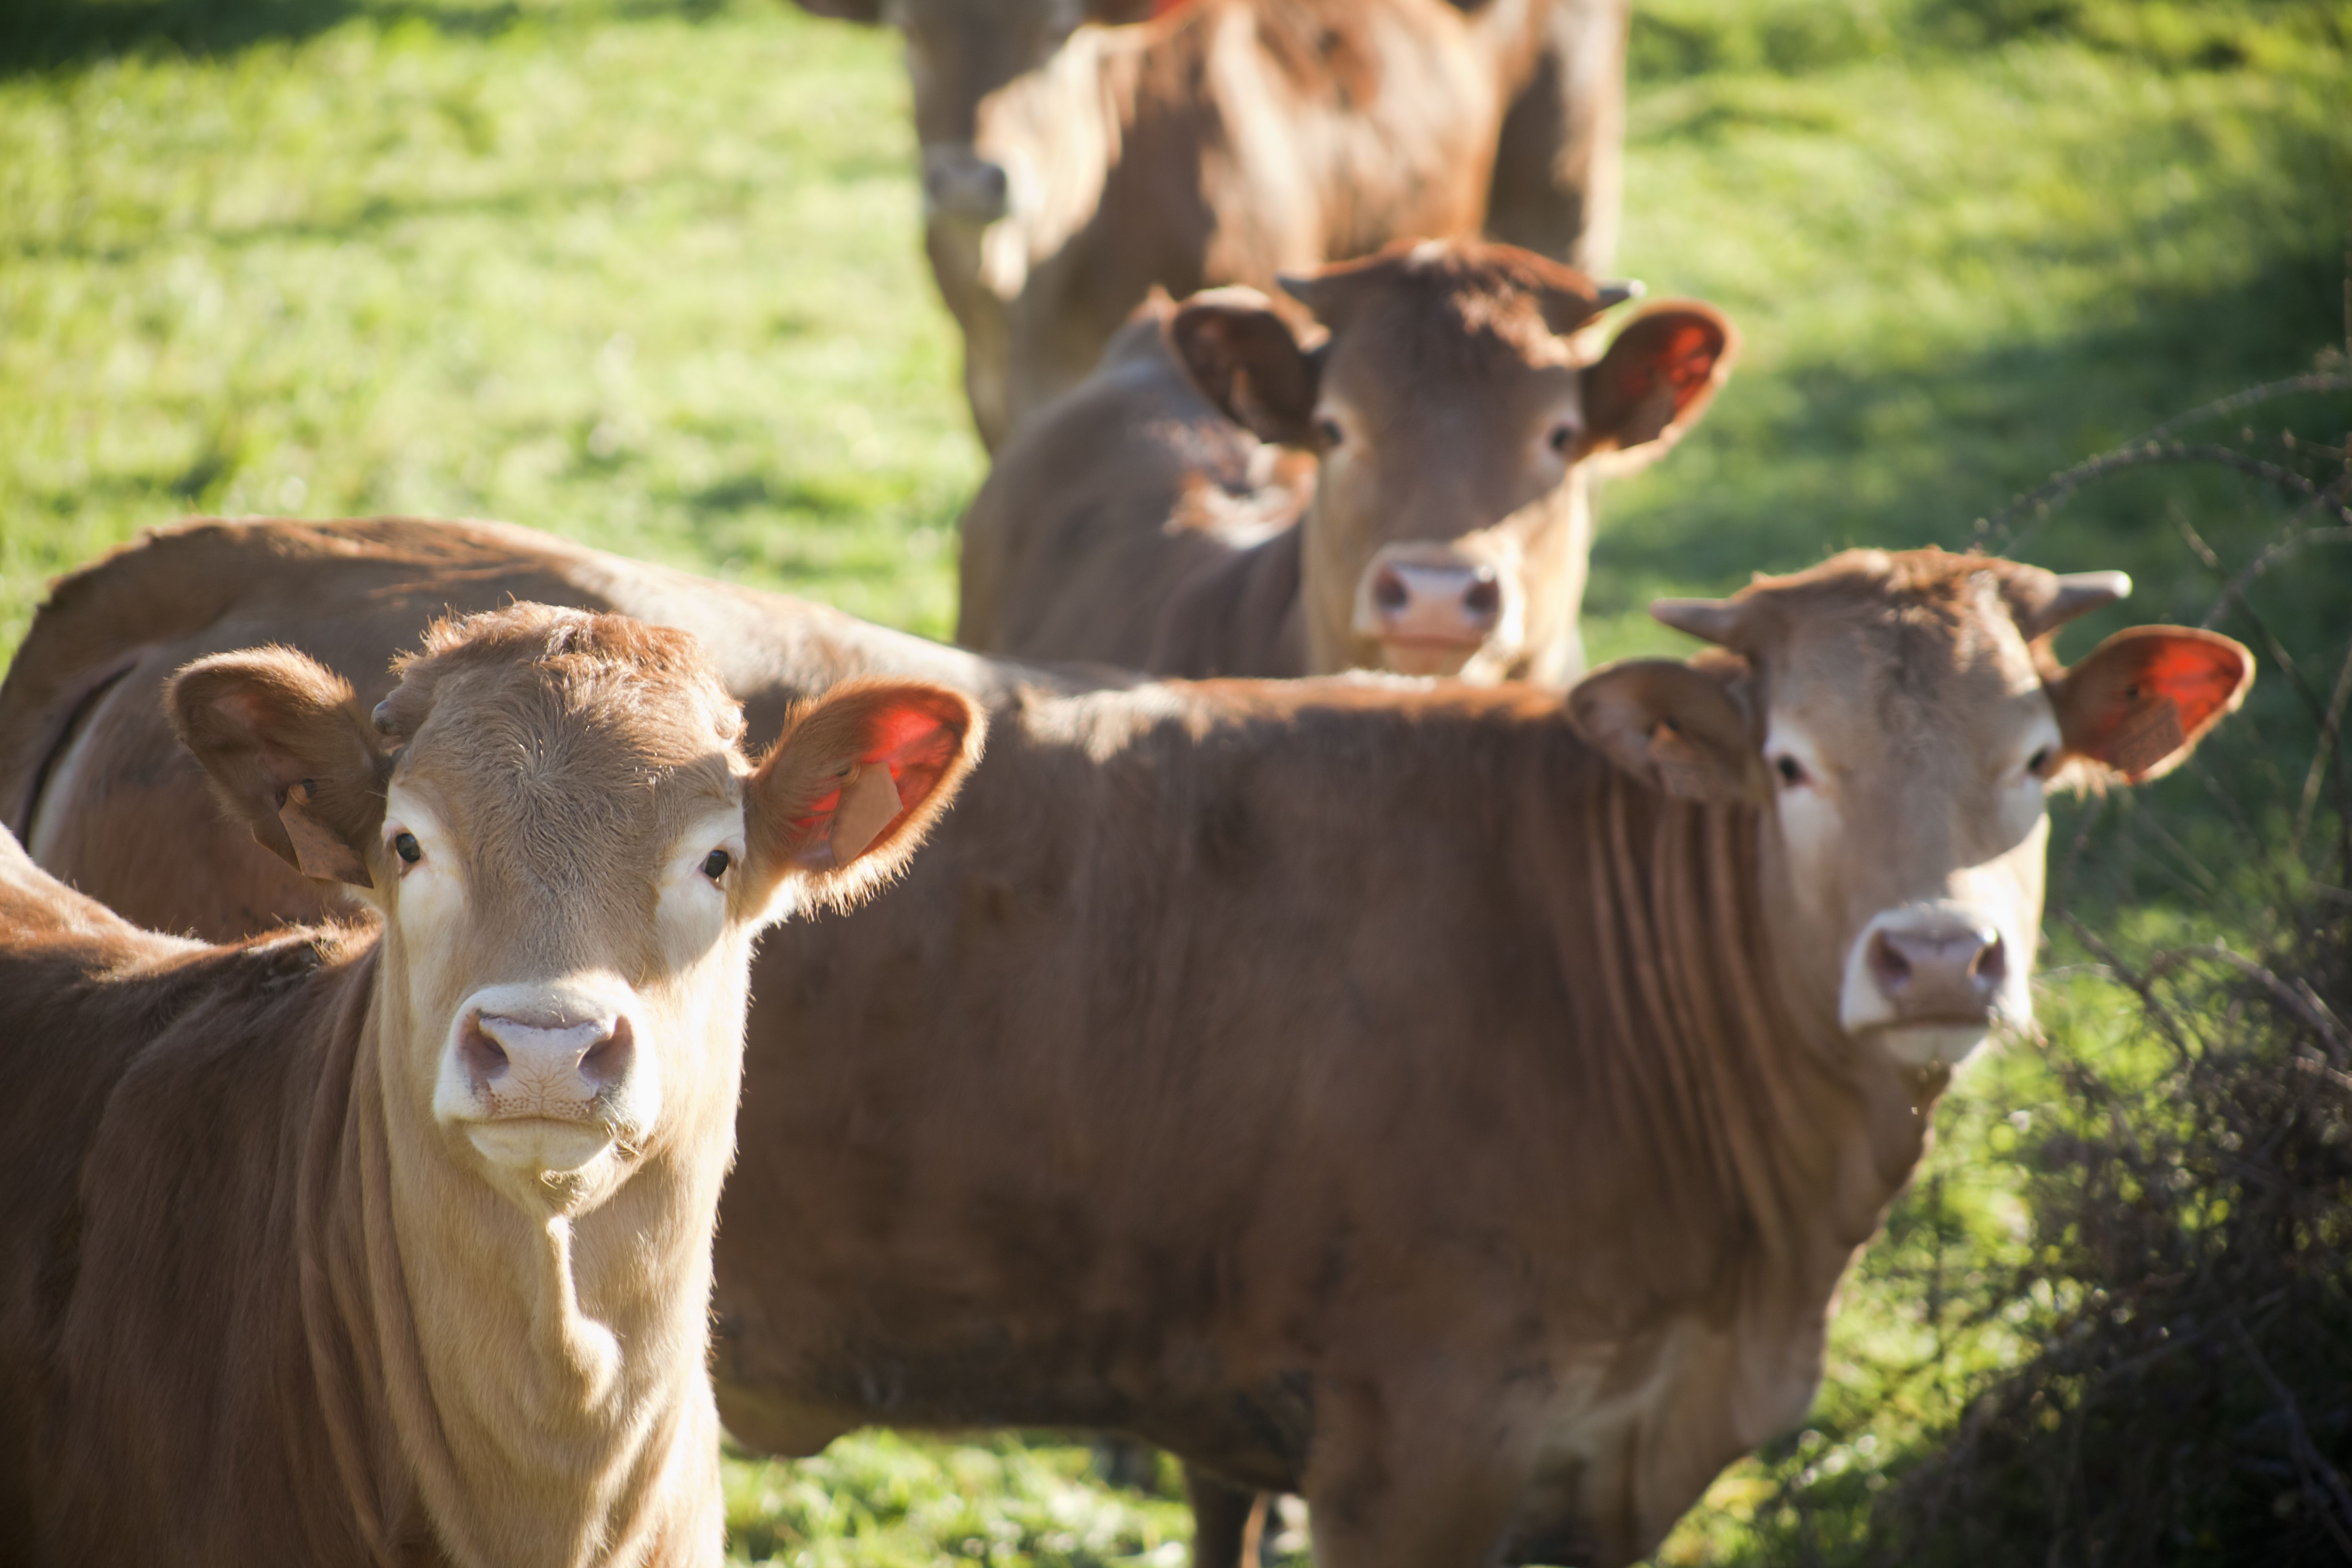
[2077, 594]
[1709, 620]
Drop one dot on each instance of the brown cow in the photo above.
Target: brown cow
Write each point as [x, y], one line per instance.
[1443, 529]
[390, 1242]
[1068, 169]
[1451, 1104]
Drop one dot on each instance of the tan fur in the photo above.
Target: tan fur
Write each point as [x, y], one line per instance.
[258, 1303]
[1231, 140]
[1136, 522]
[1378, 1091]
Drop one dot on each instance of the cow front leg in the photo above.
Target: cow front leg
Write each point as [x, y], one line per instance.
[1398, 1482]
[1228, 1521]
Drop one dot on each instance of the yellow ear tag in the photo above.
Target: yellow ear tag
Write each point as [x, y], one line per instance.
[869, 803]
[317, 852]
[1683, 769]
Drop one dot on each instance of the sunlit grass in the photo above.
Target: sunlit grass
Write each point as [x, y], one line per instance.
[654, 285]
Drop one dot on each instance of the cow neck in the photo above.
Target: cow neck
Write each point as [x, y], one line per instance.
[1802, 1141]
[456, 1366]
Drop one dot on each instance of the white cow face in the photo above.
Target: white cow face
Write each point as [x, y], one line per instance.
[571, 856]
[1901, 721]
[1451, 418]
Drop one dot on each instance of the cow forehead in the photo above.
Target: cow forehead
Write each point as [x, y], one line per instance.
[1916, 672]
[1406, 327]
[565, 770]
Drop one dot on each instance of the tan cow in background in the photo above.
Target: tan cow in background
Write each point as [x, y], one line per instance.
[1452, 1104]
[1076, 155]
[1407, 490]
[377, 1242]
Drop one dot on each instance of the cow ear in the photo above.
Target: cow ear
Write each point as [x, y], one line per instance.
[851, 787]
[288, 753]
[1246, 360]
[866, 11]
[1679, 729]
[2139, 703]
[1655, 380]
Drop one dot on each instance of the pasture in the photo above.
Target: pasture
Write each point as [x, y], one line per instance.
[649, 275]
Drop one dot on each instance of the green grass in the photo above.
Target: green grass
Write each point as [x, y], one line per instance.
[649, 275]
[650, 282]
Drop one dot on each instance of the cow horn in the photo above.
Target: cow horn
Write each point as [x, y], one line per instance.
[2080, 592]
[1709, 620]
[1615, 294]
[2042, 601]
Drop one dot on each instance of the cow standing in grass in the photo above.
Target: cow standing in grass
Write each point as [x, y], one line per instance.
[1078, 153]
[1452, 1104]
[1408, 491]
[390, 1242]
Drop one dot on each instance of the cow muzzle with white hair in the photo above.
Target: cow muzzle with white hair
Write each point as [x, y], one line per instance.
[1932, 981]
[548, 1076]
[1438, 609]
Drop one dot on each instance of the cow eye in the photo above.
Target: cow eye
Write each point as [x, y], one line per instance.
[715, 864]
[1792, 772]
[1562, 436]
[1327, 429]
[405, 845]
[2040, 761]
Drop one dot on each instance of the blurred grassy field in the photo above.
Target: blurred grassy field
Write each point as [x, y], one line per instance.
[649, 275]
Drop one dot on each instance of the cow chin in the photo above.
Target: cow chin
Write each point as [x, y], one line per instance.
[1461, 660]
[1933, 1045]
[539, 1147]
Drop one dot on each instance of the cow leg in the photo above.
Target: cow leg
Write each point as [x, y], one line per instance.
[1559, 162]
[1228, 1521]
[1400, 1477]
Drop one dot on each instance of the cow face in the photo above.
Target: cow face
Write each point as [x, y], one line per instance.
[1902, 719]
[959, 52]
[571, 856]
[1451, 422]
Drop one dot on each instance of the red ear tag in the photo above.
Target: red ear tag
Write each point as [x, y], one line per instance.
[2144, 737]
[317, 852]
[869, 803]
[1682, 770]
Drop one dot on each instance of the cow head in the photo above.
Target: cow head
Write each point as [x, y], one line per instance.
[1901, 719]
[959, 52]
[572, 857]
[1451, 418]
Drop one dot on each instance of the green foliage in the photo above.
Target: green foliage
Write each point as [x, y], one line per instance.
[884, 1500]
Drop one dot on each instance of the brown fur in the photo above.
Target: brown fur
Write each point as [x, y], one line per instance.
[1226, 141]
[1389, 1093]
[258, 1303]
[1139, 522]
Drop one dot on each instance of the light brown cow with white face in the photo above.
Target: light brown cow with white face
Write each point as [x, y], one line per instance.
[1454, 431]
[435, 1272]
[1903, 716]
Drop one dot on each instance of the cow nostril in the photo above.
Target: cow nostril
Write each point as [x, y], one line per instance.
[992, 181]
[1483, 597]
[1389, 591]
[607, 1060]
[1888, 967]
[1990, 966]
[484, 1057]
